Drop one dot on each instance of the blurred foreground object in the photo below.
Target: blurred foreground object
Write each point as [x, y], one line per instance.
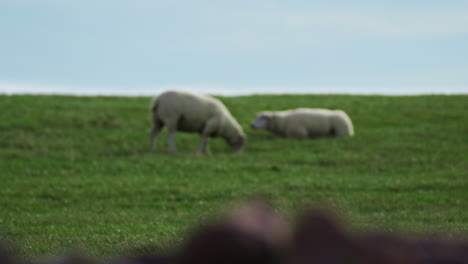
[253, 234]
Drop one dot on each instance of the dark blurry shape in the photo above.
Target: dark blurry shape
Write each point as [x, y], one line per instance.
[144, 259]
[319, 238]
[392, 246]
[252, 234]
[440, 251]
[144, 254]
[6, 253]
[71, 258]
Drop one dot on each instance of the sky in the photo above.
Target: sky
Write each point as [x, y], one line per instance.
[143, 46]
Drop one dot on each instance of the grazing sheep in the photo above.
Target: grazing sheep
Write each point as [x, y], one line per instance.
[194, 113]
[305, 123]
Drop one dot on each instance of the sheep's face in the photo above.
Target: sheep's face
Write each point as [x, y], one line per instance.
[261, 121]
[237, 143]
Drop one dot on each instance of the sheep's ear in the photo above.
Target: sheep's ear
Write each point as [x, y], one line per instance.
[267, 117]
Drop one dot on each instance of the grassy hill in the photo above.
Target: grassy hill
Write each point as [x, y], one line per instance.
[75, 171]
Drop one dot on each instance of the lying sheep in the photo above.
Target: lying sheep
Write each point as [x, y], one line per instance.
[305, 123]
[198, 113]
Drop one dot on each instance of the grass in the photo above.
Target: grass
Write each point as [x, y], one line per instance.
[76, 173]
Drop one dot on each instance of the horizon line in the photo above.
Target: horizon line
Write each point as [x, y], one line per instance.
[9, 88]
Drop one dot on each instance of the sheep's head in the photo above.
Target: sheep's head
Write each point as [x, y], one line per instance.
[261, 120]
[237, 143]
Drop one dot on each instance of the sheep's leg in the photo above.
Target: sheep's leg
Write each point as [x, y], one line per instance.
[153, 133]
[210, 126]
[207, 149]
[203, 144]
[170, 140]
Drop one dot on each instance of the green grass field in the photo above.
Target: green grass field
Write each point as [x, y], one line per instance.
[75, 171]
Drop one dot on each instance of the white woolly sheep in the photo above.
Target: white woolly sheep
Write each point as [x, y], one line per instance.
[196, 113]
[305, 123]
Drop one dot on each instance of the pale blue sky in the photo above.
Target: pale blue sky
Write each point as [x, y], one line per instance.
[138, 44]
